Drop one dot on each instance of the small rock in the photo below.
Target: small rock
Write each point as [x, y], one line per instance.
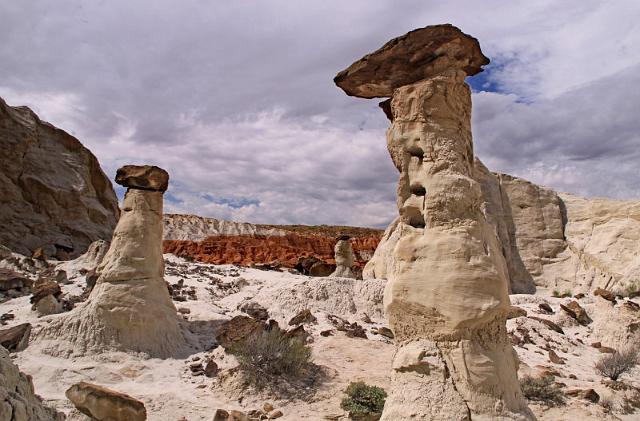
[105, 404]
[596, 345]
[48, 305]
[549, 324]
[184, 310]
[573, 377]
[606, 350]
[366, 318]
[385, 331]
[275, 414]
[607, 295]
[545, 308]
[326, 333]
[305, 316]
[587, 394]
[267, 407]
[211, 369]
[575, 311]
[579, 296]
[555, 358]
[254, 310]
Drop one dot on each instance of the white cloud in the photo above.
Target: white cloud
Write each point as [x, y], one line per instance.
[236, 99]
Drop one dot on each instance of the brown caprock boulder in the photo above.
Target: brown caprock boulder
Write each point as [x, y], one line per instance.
[447, 293]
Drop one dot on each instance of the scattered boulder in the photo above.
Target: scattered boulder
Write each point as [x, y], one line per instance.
[575, 311]
[237, 330]
[48, 305]
[551, 325]
[555, 358]
[352, 330]
[606, 350]
[586, 394]
[223, 415]
[383, 331]
[254, 310]
[102, 404]
[545, 308]
[607, 295]
[15, 338]
[304, 316]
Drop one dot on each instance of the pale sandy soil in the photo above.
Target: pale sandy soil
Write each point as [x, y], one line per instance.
[170, 391]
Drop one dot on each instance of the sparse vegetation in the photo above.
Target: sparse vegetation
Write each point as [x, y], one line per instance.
[364, 402]
[557, 294]
[542, 389]
[272, 353]
[606, 402]
[616, 364]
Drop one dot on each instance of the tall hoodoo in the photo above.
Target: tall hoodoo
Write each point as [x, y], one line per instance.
[345, 260]
[129, 308]
[447, 294]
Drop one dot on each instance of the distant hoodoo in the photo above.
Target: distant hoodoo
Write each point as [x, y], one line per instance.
[447, 293]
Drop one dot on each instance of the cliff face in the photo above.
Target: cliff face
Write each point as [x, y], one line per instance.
[224, 242]
[53, 193]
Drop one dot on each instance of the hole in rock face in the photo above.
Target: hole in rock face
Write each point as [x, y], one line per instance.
[418, 190]
[415, 151]
[417, 221]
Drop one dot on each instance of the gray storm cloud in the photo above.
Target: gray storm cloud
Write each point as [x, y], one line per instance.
[236, 99]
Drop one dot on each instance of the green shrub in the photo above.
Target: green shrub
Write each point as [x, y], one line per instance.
[542, 389]
[364, 401]
[272, 353]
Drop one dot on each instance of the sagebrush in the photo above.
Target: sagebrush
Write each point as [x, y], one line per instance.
[272, 353]
[363, 400]
[616, 364]
[542, 389]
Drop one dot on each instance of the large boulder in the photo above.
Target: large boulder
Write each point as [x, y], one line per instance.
[103, 404]
[53, 193]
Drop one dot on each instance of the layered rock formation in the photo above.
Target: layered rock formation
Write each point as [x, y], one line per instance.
[129, 308]
[447, 294]
[53, 193]
[18, 401]
[224, 242]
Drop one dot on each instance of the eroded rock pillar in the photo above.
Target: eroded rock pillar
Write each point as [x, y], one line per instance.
[447, 292]
[129, 307]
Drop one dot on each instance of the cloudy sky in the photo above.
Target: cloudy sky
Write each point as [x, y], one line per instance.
[236, 100]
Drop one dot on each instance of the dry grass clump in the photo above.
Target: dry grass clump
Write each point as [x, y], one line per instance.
[616, 364]
[542, 389]
[272, 353]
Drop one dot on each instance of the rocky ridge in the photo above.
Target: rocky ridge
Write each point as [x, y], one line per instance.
[54, 194]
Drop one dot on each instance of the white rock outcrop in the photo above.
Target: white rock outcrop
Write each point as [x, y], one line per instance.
[448, 282]
[129, 308]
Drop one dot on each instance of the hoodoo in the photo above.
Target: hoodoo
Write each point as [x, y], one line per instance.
[129, 308]
[447, 292]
